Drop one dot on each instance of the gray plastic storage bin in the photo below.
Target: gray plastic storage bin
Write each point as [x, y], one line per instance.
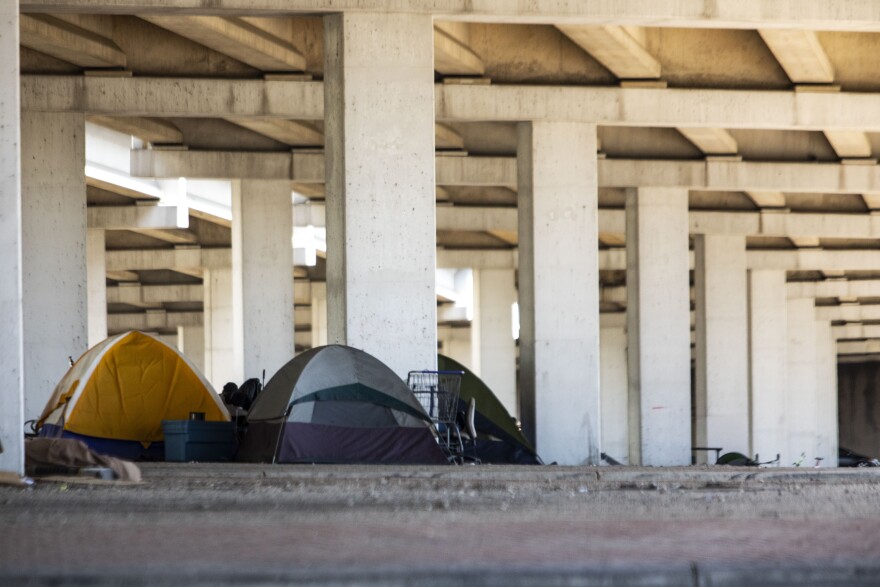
[197, 440]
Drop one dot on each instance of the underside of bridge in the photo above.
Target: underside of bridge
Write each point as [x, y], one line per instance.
[649, 227]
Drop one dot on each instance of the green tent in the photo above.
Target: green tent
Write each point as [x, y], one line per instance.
[499, 438]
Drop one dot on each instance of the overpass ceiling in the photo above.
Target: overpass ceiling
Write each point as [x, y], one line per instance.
[523, 54]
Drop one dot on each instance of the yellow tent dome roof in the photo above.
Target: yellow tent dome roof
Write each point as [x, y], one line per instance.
[123, 387]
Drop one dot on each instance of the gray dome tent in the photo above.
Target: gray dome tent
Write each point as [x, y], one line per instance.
[338, 404]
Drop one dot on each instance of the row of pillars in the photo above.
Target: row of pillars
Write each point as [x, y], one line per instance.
[379, 127]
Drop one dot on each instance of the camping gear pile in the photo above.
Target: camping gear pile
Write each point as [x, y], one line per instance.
[134, 397]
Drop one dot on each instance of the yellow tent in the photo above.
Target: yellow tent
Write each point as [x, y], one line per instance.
[122, 388]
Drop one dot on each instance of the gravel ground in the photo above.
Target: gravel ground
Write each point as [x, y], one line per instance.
[261, 524]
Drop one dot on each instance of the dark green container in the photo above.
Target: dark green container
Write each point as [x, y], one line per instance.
[197, 440]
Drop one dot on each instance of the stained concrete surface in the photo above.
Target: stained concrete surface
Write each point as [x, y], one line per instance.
[468, 525]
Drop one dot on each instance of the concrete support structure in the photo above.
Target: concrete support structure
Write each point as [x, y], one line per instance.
[456, 344]
[262, 276]
[767, 363]
[492, 331]
[559, 290]
[658, 326]
[97, 284]
[191, 342]
[826, 394]
[319, 313]
[615, 408]
[54, 250]
[12, 346]
[220, 365]
[380, 186]
[722, 400]
[801, 401]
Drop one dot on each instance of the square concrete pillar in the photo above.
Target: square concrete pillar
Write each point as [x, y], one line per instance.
[615, 407]
[658, 326]
[492, 332]
[12, 343]
[97, 283]
[319, 313]
[54, 250]
[559, 290]
[262, 276]
[801, 401]
[722, 367]
[379, 157]
[220, 366]
[826, 394]
[191, 342]
[768, 341]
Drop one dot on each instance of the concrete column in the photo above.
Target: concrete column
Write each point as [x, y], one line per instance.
[54, 250]
[262, 276]
[615, 408]
[767, 364]
[191, 342]
[559, 290]
[11, 343]
[722, 384]
[379, 129]
[826, 396]
[97, 283]
[319, 313]
[456, 344]
[658, 326]
[492, 326]
[220, 366]
[801, 393]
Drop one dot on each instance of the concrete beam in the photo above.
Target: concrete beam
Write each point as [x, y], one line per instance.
[763, 180]
[476, 258]
[453, 57]
[838, 288]
[136, 294]
[617, 48]
[289, 132]
[69, 42]
[183, 258]
[173, 97]
[212, 164]
[719, 175]
[711, 141]
[800, 55]
[849, 144]
[849, 313]
[765, 199]
[237, 38]
[789, 260]
[854, 347]
[446, 138]
[612, 222]
[147, 129]
[133, 217]
[213, 98]
[856, 331]
[743, 14]
[658, 107]
[152, 320]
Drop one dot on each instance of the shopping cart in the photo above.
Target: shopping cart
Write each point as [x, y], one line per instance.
[438, 391]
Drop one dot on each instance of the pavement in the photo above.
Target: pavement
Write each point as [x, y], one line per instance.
[216, 524]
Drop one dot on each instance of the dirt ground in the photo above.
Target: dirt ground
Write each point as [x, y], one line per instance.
[467, 525]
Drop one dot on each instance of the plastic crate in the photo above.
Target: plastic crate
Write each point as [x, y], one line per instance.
[197, 440]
